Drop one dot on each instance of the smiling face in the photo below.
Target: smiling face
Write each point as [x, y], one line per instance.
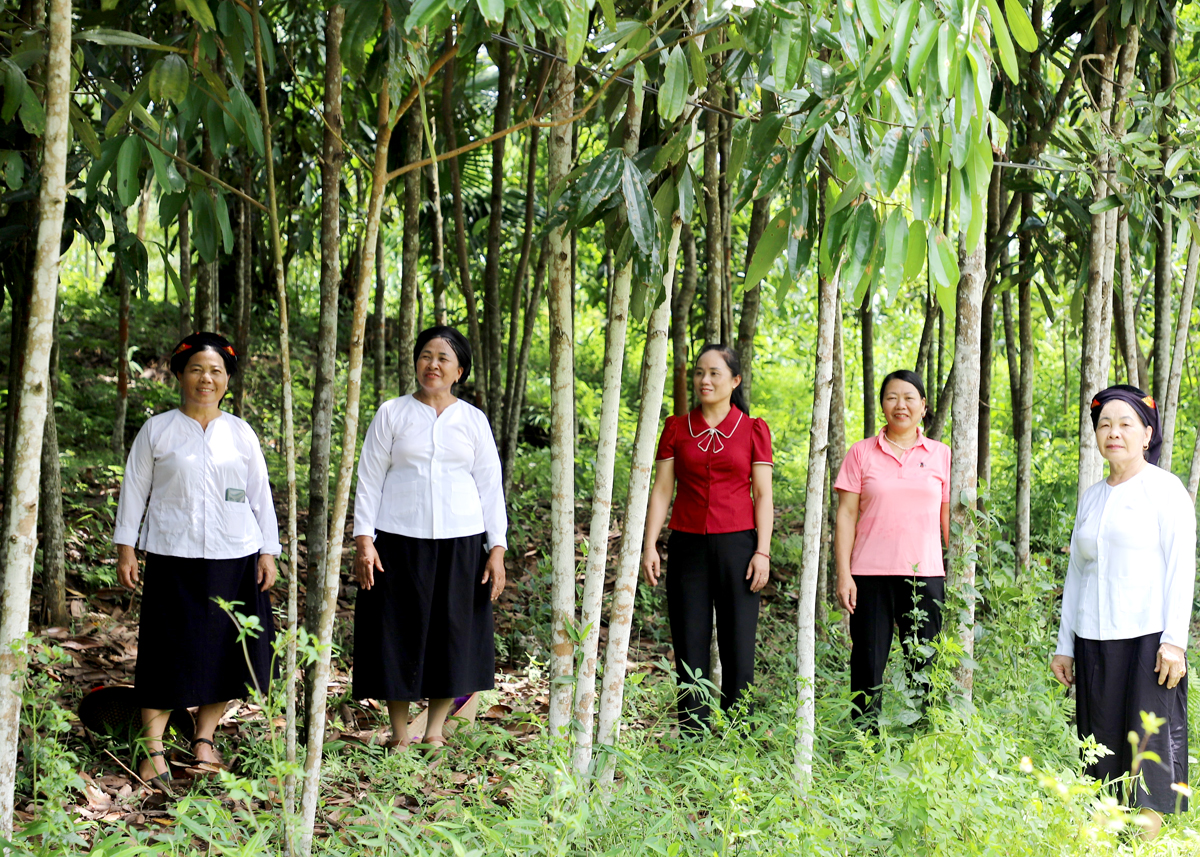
[438, 369]
[204, 379]
[903, 406]
[713, 381]
[1121, 434]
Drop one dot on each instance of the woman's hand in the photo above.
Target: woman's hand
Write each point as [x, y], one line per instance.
[1063, 668]
[494, 571]
[651, 564]
[1171, 664]
[758, 572]
[847, 593]
[127, 566]
[366, 561]
[266, 572]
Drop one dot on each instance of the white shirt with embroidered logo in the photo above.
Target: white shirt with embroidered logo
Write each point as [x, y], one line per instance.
[206, 489]
[1133, 562]
[430, 477]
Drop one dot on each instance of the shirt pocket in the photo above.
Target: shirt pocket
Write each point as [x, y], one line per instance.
[464, 500]
[403, 498]
[237, 511]
[167, 521]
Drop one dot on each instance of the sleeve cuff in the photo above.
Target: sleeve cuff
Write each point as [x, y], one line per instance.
[1174, 639]
[364, 531]
[497, 540]
[1066, 647]
[125, 536]
[274, 550]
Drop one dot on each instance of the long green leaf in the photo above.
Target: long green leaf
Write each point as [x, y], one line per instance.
[893, 157]
[902, 29]
[673, 94]
[577, 25]
[1021, 26]
[943, 265]
[770, 245]
[199, 10]
[638, 207]
[493, 10]
[861, 247]
[204, 226]
[926, 42]
[914, 259]
[924, 178]
[895, 238]
[1004, 45]
[129, 159]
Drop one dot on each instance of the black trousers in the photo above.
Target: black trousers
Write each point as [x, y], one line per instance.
[708, 571]
[884, 601]
[1116, 682]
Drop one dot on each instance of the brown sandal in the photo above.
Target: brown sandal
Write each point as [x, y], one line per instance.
[207, 767]
[162, 781]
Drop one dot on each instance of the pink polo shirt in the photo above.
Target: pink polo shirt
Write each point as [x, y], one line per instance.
[899, 528]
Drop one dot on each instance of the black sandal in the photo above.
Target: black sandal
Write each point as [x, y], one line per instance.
[210, 767]
[158, 781]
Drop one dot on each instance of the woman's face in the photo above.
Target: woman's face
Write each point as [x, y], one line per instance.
[437, 367]
[903, 406]
[204, 379]
[713, 381]
[1121, 434]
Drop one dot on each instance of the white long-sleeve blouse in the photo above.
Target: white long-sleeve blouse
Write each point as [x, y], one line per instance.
[206, 489]
[429, 476]
[1133, 562]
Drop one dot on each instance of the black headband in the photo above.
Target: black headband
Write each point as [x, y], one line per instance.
[1142, 404]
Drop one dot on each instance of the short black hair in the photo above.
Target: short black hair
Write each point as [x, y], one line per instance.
[902, 375]
[458, 342]
[203, 341]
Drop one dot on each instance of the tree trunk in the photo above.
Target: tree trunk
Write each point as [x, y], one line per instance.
[562, 414]
[410, 255]
[983, 468]
[681, 312]
[866, 315]
[20, 536]
[752, 298]
[965, 436]
[207, 316]
[241, 261]
[1170, 408]
[1194, 471]
[185, 271]
[341, 497]
[379, 348]
[818, 450]
[1127, 317]
[287, 422]
[117, 441]
[513, 430]
[925, 349]
[1023, 406]
[493, 313]
[50, 509]
[641, 469]
[713, 241]
[1011, 359]
[1163, 268]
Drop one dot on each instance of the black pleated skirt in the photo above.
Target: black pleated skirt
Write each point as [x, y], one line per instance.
[424, 629]
[188, 648]
[1116, 683]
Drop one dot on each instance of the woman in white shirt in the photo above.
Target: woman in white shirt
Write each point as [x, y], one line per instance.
[209, 532]
[1127, 604]
[430, 535]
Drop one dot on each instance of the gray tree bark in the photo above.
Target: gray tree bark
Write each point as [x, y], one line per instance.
[1170, 408]
[410, 255]
[681, 312]
[50, 508]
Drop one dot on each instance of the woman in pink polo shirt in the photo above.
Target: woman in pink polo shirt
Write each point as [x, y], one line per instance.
[893, 518]
[720, 530]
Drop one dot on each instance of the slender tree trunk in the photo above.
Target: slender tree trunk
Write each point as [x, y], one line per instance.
[713, 240]
[20, 536]
[380, 343]
[818, 451]
[341, 497]
[287, 427]
[185, 271]
[1170, 408]
[117, 441]
[241, 262]
[752, 299]
[1163, 268]
[1194, 471]
[518, 398]
[925, 349]
[50, 509]
[1011, 359]
[493, 312]
[1127, 317]
[1023, 406]
[562, 415]
[983, 468]
[965, 436]
[681, 312]
[207, 303]
[641, 469]
[606, 459]
[410, 255]
[866, 315]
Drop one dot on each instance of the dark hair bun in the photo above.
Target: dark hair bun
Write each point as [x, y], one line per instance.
[203, 341]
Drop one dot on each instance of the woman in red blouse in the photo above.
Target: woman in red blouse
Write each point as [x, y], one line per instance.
[720, 545]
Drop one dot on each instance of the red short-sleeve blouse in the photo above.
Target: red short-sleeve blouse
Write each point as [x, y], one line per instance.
[712, 470]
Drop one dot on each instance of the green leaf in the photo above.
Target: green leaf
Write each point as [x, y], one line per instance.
[1004, 45]
[902, 29]
[108, 156]
[740, 139]
[770, 245]
[493, 10]
[924, 179]
[872, 21]
[673, 94]
[113, 127]
[895, 243]
[638, 207]
[674, 149]
[1187, 190]
[14, 88]
[610, 13]
[120, 38]
[204, 226]
[687, 193]
[926, 41]
[223, 221]
[422, 12]
[699, 68]
[129, 159]
[943, 265]
[944, 52]
[165, 174]
[861, 247]
[577, 25]
[199, 10]
[14, 169]
[33, 115]
[169, 79]
[250, 121]
[1173, 162]
[1021, 26]
[1107, 204]
[764, 138]
[893, 157]
[172, 274]
[914, 259]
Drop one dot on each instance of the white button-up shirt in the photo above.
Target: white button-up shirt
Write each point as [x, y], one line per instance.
[1133, 562]
[429, 476]
[208, 492]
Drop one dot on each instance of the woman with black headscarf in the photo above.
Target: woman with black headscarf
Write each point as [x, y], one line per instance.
[1127, 604]
[210, 533]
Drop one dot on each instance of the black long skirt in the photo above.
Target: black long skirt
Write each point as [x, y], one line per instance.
[188, 648]
[1116, 682]
[424, 629]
